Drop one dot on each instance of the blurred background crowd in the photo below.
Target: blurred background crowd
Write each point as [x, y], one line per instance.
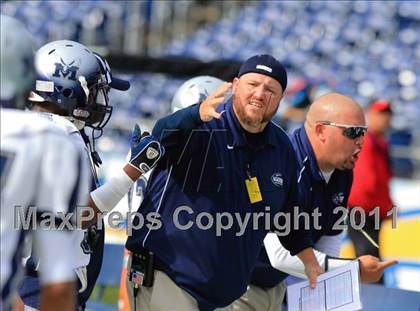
[367, 49]
[364, 49]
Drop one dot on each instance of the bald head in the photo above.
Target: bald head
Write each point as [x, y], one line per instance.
[335, 107]
[333, 149]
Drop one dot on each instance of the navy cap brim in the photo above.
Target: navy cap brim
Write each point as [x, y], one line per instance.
[119, 84]
[113, 82]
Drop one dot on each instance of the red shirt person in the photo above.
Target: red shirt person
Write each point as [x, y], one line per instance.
[372, 175]
[372, 172]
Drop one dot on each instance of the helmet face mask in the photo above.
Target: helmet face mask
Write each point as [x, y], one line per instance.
[69, 76]
[98, 109]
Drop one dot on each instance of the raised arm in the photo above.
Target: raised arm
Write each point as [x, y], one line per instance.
[173, 131]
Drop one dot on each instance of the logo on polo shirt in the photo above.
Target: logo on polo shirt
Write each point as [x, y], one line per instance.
[277, 179]
[338, 198]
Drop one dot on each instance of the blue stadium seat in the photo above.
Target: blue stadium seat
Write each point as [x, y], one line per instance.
[361, 47]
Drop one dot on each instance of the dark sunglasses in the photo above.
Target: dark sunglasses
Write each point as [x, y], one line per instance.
[350, 131]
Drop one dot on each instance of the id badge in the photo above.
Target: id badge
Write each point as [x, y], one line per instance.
[253, 189]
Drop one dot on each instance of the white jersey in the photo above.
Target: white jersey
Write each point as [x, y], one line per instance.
[40, 167]
[81, 257]
[68, 128]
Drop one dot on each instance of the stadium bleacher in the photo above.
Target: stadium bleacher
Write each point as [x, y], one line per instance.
[365, 49]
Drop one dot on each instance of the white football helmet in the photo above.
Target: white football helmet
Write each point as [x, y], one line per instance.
[69, 76]
[194, 91]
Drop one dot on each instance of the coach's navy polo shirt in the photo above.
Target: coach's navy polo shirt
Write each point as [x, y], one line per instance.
[205, 170]
[313, 192]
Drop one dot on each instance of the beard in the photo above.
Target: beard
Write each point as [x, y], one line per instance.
[252, 121]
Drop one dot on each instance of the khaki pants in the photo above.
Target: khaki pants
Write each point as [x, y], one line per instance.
[259, 299]
[164, 295]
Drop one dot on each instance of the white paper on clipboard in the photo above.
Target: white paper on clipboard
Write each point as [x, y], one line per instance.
[336, 290]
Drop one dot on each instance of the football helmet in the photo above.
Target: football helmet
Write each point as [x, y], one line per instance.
[17, 56]
[194, 91]
[68, 75]
[113, 82]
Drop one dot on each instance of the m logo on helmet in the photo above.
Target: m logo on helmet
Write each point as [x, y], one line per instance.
[65, 70]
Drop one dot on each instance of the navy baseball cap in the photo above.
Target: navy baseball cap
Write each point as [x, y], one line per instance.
[113, 82]
[267, 65]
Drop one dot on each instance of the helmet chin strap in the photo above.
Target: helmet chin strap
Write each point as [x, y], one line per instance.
[78, 123]
[85, 88]
[94, 154]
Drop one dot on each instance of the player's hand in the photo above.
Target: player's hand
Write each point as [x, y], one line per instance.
[145, 151]
[372, 269]
[209, 105]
